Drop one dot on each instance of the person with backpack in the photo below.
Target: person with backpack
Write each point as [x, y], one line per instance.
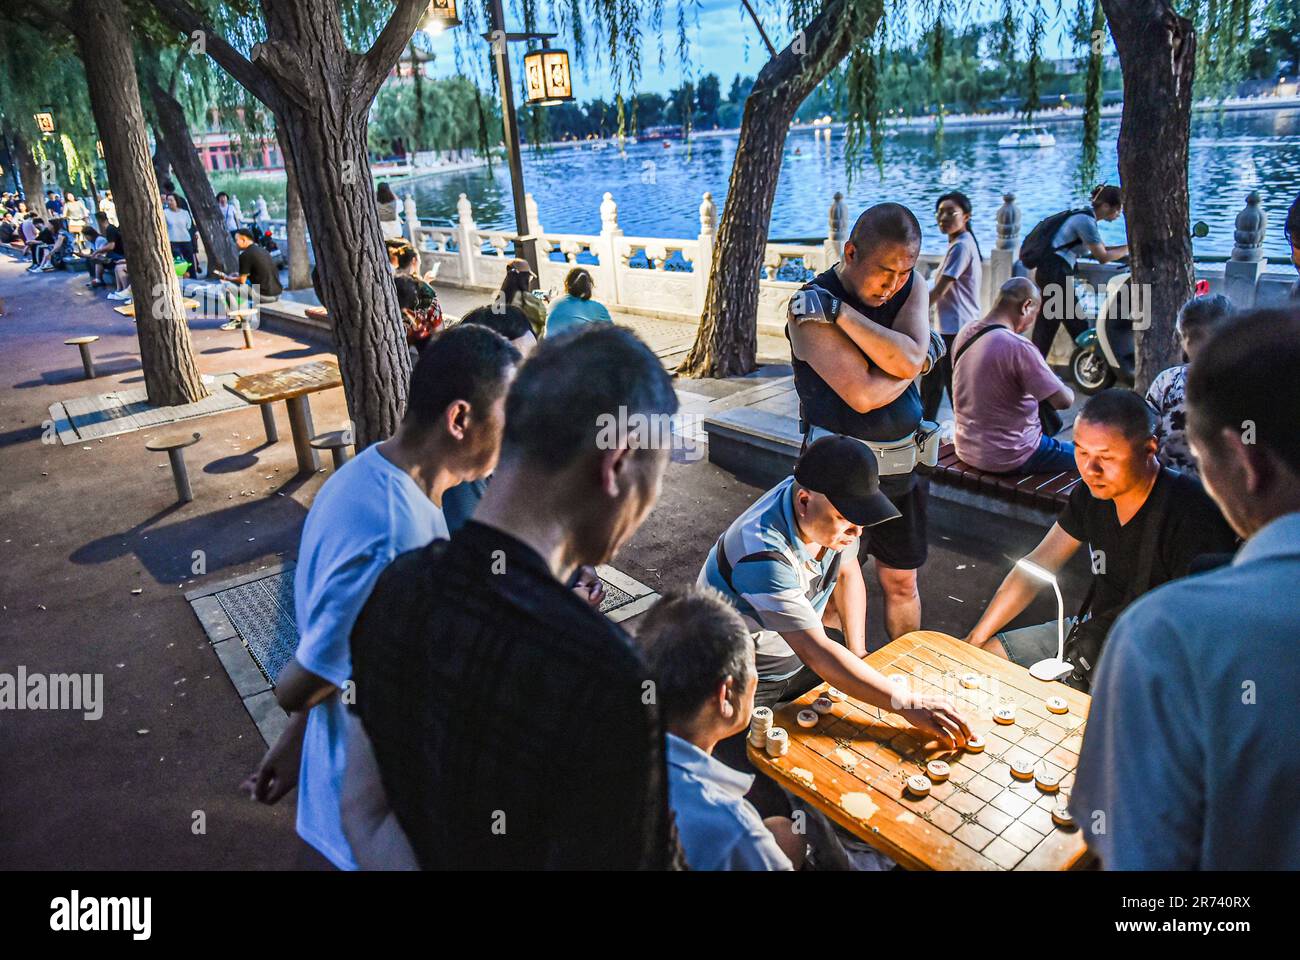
[1052, 251]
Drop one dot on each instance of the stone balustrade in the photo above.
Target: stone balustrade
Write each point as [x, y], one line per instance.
[665, 277]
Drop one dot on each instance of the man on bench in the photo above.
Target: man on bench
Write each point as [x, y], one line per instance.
[258, 280]
[781, 564]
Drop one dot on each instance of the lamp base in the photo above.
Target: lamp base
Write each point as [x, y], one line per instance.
[1050, 669]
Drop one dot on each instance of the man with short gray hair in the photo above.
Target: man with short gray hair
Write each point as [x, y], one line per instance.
[509, 719]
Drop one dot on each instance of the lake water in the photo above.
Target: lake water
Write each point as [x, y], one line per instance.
[658, 190]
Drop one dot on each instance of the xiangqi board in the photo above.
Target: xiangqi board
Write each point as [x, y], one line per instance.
[873, 774]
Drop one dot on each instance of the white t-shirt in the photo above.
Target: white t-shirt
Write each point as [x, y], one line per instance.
[178, 224]
[960, 303]
[365, 515]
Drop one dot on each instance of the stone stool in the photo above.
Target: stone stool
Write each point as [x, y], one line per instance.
[242, 319]
[338, 443]
[175, 447]
[87, 361]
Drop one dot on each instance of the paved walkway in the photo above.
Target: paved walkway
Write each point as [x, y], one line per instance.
[84, 526]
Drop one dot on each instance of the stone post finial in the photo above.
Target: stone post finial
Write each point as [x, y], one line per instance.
[838, 220]
[608, 214]
[464, 212]
[708, 215]
[534, 220]
[1008, 222]
[1248, 237]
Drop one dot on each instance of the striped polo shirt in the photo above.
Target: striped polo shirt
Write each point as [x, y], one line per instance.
[776, 584]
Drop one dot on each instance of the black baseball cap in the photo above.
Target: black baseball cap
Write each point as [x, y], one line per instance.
[845, 472]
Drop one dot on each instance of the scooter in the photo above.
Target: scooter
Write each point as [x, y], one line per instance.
[1104, 353]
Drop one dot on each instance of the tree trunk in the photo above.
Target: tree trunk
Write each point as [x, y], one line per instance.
[170, 374]
[162, 167]
[322, 121]
[30, 173]
[727, 341]
[321, 93]
[1157, 55]
[174, 136]
[295, 224]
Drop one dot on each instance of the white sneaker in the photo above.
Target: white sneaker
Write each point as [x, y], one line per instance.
[120, 295]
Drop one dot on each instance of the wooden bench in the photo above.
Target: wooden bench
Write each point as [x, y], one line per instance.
[87, 361]
[1045, 493]
[761, 447]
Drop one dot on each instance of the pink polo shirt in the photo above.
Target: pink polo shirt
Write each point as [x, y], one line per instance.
[996, 387]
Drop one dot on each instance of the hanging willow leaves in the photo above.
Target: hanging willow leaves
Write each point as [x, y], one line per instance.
[1088, 165]
[1034, 68]
[936, 74]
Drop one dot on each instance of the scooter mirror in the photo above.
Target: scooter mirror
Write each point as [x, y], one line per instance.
[1201, 229]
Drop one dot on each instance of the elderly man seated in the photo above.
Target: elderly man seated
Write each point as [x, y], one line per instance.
[789, 566]
[702, 660]
[999, 381]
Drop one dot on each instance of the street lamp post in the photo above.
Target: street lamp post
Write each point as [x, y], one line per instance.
[525, 242]
[549, 82]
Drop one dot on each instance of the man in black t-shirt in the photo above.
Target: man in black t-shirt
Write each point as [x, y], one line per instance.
[859, 336]
[1127, 500]
[258, 280]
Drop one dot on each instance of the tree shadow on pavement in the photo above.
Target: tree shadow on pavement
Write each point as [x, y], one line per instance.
[247, 530]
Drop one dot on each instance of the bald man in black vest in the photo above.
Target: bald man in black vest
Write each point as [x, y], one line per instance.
[859, 337]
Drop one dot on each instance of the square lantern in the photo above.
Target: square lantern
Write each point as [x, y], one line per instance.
[547, 80]
[45, 122]
[444, 13]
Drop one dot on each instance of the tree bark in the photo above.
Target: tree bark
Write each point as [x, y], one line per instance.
[30, 173]
[321, 93]
[295, 224]
[170, 374]
[174, 136]
[727, 341]
[162, 167]
[1157, 55]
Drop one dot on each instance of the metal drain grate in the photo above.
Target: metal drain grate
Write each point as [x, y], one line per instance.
[262, 613]
[614, 597]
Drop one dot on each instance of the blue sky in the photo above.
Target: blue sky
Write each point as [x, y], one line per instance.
[724, 42]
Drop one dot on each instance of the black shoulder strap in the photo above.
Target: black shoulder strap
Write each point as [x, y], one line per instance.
[989, 329]
[1157, 507]
[1066, 216]
[725, 568]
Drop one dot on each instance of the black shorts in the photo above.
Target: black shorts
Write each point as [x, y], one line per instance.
[900, 543]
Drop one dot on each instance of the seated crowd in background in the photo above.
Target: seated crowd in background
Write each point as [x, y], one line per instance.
[576, 306]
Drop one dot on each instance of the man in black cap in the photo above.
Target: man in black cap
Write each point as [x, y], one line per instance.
[789, 566]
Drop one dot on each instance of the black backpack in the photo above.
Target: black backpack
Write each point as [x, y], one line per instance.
[1038, 244]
